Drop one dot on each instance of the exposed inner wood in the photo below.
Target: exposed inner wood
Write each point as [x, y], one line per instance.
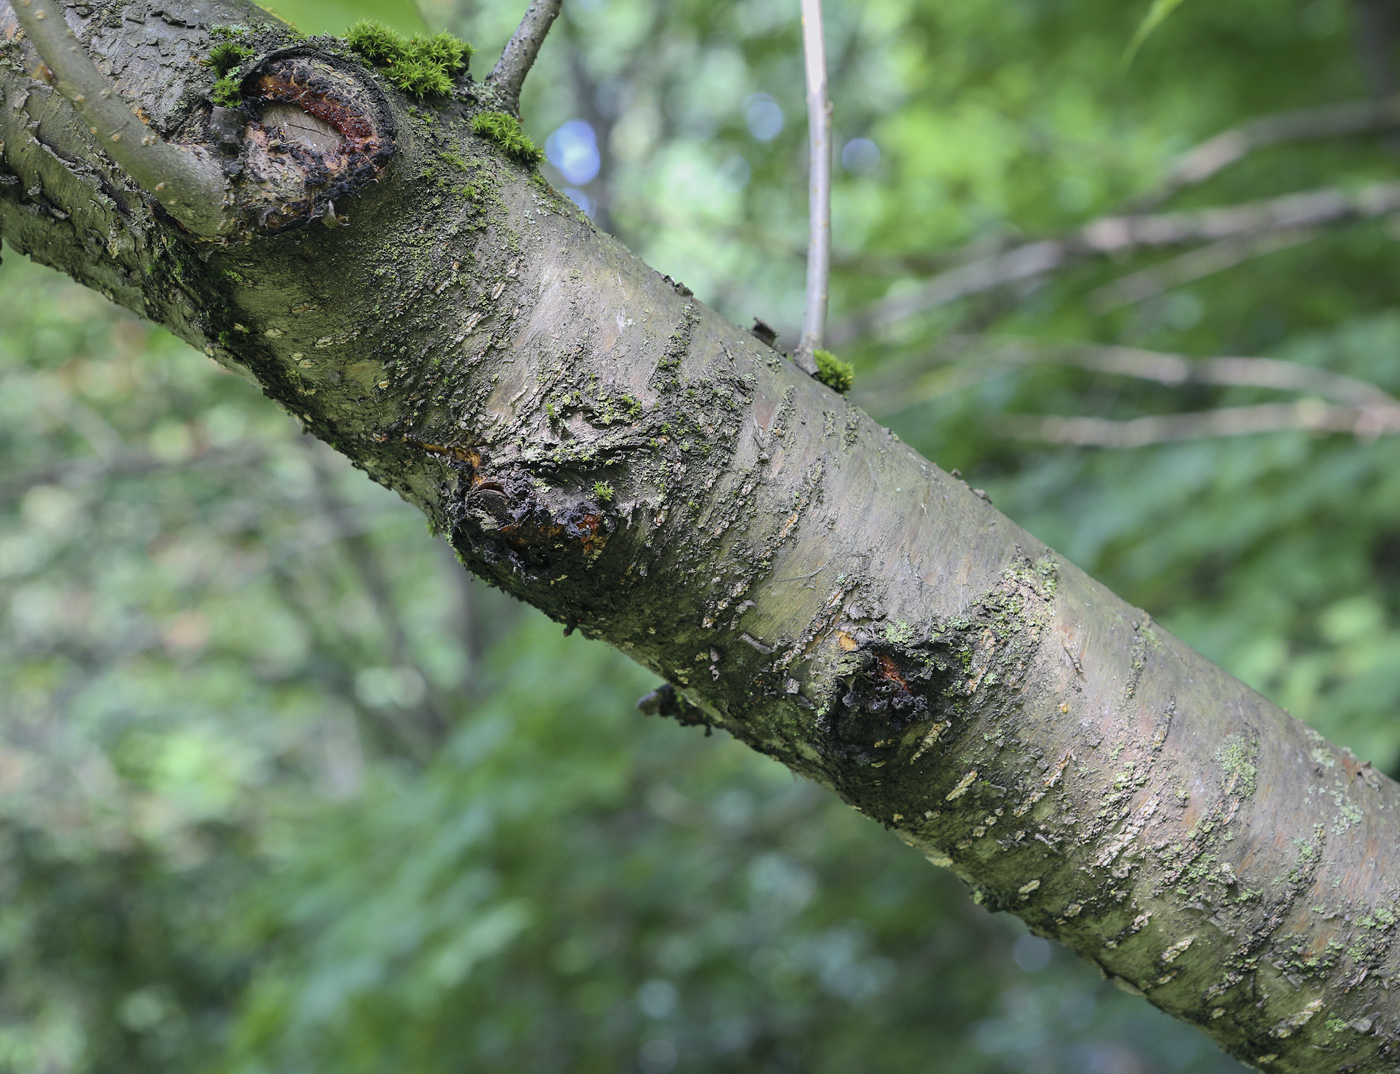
[292, 123]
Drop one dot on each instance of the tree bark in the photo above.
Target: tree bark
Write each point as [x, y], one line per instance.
[594, 440]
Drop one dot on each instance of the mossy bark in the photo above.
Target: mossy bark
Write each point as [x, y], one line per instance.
[594, 440]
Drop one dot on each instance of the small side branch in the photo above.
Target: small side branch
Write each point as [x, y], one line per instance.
[186, 180]
[518, 57]
[819, 187]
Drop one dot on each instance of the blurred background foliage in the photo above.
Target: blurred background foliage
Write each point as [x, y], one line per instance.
[282, 791]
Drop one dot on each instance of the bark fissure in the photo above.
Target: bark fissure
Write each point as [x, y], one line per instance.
[593, 439]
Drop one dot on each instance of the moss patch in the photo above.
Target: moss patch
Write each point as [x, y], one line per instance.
[833, 372]
[225, 58]
[505, 130]
[228, 92]
[420, 66]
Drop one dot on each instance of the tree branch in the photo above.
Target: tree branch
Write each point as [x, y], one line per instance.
[1218, 152]
[1192, 266]
[1118, 235]
[518, 57]
[1306, 415]
[980, 358]
[598, 443]
[818, 187]
[187, 180]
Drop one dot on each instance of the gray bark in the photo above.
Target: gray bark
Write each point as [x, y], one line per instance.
[594, 440]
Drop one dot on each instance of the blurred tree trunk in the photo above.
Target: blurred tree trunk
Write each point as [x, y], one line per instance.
[594, 440]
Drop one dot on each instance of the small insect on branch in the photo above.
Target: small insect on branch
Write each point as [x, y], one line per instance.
[186, 180]
[818, 188]
[519, 54]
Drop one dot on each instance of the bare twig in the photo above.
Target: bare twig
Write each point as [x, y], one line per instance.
[187, 180]
[519, 54]
[1307, 415]
[1119, 235]
[979, 359]
[1192, 167]
[818, 187]
[1176, 369]
[1191, 266]
[1217, 153]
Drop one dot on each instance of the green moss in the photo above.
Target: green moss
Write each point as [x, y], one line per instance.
[376, 42]
[450, 53]
[421, 66]
[456, 159]
[833, 372]
[228, 91]
[228, 32]
[603, 491]
[505, 130]
[225, 56]
[420, 78]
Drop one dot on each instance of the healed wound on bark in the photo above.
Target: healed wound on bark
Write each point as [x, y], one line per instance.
[595, 440]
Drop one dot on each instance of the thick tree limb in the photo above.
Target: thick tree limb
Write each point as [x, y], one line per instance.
[595, 441]
[1118, 235]
[818, 188]
[187, 180]
[508, 76]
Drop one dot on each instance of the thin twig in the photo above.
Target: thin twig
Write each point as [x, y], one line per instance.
[187, 180]
[519, 54]
[1231, 372]
[1191, 266]
[1194, 166]
[1306, 415]
[1218, 152]
[979, 359]
[818, 187]
[1118, 235]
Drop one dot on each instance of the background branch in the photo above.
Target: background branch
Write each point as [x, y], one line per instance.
[1191, 266]
[1218, 152]
[980, 359]
[1117, 235]
[1307, 415]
